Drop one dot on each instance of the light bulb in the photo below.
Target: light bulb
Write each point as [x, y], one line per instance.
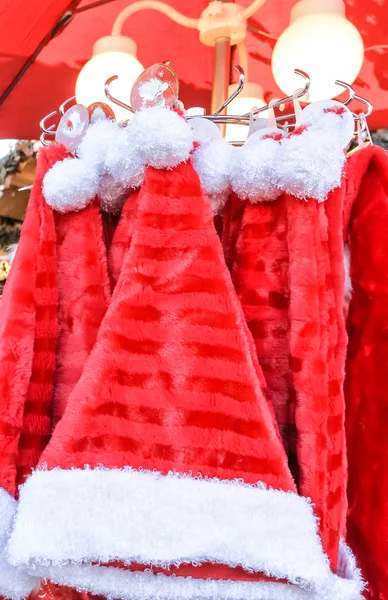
[112, 55]
[251, 95]
[321, 42]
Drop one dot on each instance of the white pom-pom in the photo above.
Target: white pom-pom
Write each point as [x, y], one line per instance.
[12, 252]
[123, 162]
[70, 185]
[310, 164]
[329, 115]
[253, 171]
[99, 137]
[162, 138]
[212, 163]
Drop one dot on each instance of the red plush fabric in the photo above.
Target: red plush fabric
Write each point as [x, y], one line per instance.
[28, 330]
[173, 358]
[231, 224]
[366, 226]
[318, 395]
[122, 238]
[288, 273]
[83, 296]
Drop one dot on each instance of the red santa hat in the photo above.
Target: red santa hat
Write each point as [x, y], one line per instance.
[365, 223]
[166, 476]
[289, 275]
[54, 300]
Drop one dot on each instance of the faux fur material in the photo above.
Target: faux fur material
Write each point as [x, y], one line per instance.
[200, 417]
[199, 520]
[15, 583]
[28, 327]
[306, 163]
[70, 184]
[161, 137]
[211, 161]
[117, 584]
[83, 296]
[366, 222]
[288, 272]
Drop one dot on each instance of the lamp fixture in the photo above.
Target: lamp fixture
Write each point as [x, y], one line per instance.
[322, 42]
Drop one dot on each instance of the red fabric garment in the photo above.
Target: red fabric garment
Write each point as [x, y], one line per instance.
[28, 332]
[83, 296]
[288, 272]
[365, 229]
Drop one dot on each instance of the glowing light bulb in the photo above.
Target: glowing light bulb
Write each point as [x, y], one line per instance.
[251, 95]
[321, 42]
[112, 55]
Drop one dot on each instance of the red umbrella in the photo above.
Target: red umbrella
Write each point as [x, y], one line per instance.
[25, 24]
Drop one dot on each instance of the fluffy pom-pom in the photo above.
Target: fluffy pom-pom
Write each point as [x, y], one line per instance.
[70, 185]
[161, 137]
[98, 139]
[310, 164]
[123, 162]
[253, 172]
[212, 163]
[329, 115]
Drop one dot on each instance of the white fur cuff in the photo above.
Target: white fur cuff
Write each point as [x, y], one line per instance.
[15, 582]
[67, 519]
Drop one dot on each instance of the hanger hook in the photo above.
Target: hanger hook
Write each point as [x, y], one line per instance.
[348, 87]
[240, 87]
[111, 98]
[363, 116]
[42, 123]
[298, 94]
[63, 107]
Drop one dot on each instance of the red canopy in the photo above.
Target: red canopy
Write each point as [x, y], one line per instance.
[51, 79]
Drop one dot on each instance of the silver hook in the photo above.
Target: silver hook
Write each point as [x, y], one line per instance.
[363, 116]
[241, 81]
[299, 94]
[348, 87]
[63, 107]
[42, 123]
[111, 98]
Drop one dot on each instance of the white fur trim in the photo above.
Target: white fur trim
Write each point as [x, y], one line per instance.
[127, 585]
[70, 185]
[347, 568]
[12, 252]
[100, 515]
[254, 173]
[320, 116]
[211, 161]
[310, 165]
[123, 161]
[15, 582]
[94, 146]
[348, 288]
[162, 138]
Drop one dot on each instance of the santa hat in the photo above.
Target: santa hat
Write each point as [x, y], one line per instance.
[54, 300]
[365, 204]
[289, 276]
[166, 476]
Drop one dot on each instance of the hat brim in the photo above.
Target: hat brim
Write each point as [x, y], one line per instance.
[68, 520]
